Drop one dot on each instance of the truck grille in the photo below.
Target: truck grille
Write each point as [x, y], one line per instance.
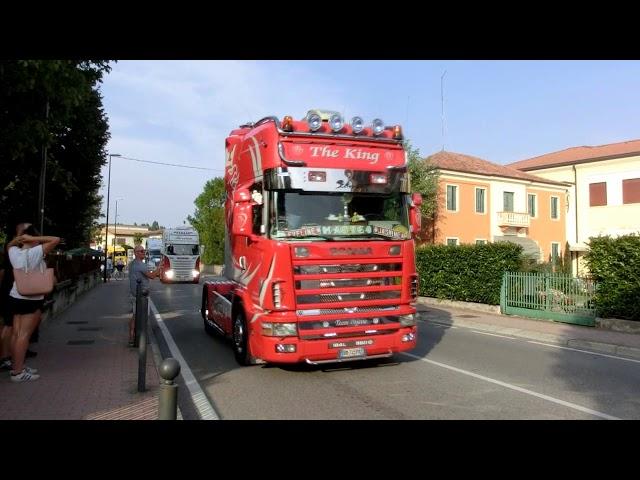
[182, 266]
[353, 298]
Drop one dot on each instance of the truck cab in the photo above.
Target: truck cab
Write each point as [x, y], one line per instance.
[319, 254]
[180, 255]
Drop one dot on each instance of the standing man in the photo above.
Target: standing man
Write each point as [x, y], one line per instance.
[138, 270]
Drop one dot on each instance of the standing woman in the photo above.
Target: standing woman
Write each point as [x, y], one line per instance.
[29, 248]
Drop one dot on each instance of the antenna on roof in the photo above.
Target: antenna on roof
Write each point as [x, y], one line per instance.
[442, 100]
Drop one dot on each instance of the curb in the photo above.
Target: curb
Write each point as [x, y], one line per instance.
[477, 307]
[561, 340]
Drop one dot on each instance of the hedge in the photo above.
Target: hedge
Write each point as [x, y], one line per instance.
[469, 273]
[615, 264]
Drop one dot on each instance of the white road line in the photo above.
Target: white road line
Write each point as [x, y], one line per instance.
[516, 388]
[493, 334]
[585, 351]
[200, 400]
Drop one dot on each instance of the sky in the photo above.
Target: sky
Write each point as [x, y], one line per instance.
[180, 112]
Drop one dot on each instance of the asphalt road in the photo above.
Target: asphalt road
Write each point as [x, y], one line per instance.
[454, 373]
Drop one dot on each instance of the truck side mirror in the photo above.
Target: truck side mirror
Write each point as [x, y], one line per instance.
[242, 213]
[415, 216]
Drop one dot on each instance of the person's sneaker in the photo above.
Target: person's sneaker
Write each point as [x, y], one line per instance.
[31, 370]
[30, 354]
[24, 376]
[6, 364]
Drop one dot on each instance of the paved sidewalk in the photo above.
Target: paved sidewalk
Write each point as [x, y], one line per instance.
[87, 370]
[573, 336]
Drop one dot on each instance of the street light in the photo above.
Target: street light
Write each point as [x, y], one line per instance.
[106, 231]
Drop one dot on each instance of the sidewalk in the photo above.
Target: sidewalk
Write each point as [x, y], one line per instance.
[573, 336]
[87, 371]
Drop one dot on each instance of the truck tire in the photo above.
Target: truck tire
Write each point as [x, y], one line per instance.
[240, 340]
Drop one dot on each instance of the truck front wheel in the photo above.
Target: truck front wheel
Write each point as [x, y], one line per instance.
[240, 339]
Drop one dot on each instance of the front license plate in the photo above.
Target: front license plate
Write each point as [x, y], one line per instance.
[351, 352]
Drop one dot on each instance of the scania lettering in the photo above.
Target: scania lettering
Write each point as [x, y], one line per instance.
[319, 250]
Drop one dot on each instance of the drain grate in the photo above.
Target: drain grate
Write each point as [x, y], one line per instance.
[467, 316]
[79, 322]
[89, 329]
[80, 342]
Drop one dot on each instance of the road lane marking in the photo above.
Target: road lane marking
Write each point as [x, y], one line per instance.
[200, 400]
[585, 351]
[493, 334]
[516, 388]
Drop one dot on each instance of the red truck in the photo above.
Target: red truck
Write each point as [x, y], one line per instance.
[319, 255]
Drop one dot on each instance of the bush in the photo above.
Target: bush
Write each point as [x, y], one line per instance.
[469, 273]
[615, 265]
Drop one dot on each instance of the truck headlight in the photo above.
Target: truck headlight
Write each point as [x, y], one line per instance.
[195, 273]
[272, 329]
[169, 274]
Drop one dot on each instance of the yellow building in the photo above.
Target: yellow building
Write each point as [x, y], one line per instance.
[604, 193]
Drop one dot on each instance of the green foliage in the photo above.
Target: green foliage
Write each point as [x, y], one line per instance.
[615, 264]
[154, 225]
[424, 180]
[469, 273]
[208, 220]
[75, 133]
[137, 238]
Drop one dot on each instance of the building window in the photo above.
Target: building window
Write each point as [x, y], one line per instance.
[121, 240]
[480, 241]
[631, 190]
[554, 208]
[452, 241]
[531, 205]
[480, 200]
[555, 251]
[508, 201]
[452, 198]
[597, 194]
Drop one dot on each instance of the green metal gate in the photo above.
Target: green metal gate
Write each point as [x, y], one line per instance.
[551, 296]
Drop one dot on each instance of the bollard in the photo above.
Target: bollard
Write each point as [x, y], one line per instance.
[142, 340]
[168, 397]
[136, 327]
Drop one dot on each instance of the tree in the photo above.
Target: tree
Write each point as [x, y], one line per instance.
[137, 238]
[154, 225]
[52, 104]
[208, 220]
[424, 180]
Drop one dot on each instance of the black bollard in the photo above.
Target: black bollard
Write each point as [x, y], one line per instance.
[136, 326]
[168, 396]
[142, 340]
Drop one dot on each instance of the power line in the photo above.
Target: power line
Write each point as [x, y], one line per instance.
[172, 164]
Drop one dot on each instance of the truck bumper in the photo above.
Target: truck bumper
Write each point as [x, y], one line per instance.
[335, 349]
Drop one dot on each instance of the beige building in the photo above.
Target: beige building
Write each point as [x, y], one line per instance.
[125, 235]
[481, 202]
[605, 191]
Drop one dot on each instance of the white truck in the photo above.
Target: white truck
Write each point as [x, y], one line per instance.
[153, 255]
[180, 255]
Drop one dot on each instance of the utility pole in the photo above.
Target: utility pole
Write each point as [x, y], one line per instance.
[442, 101]
[43, 171]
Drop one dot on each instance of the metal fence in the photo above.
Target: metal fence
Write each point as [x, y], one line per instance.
[551, 296]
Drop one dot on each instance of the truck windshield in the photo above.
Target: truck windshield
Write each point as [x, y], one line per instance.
[345, 215]
[183, 249]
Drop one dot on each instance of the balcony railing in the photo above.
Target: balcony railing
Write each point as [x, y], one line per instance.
[513, 219]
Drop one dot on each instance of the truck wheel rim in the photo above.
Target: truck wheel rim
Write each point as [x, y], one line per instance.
[238, 334]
